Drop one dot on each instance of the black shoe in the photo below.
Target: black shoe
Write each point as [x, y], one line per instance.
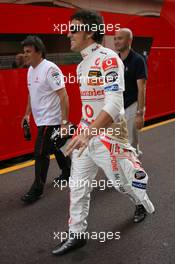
[68, 245]
[63, 177]
[32, 196]
[140, 213]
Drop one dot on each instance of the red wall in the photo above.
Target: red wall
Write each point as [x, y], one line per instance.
[13, 94]
[13, 91]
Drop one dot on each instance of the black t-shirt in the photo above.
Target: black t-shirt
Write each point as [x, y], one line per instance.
[135, 68]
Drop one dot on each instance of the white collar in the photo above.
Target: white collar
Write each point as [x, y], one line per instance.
[91, 48]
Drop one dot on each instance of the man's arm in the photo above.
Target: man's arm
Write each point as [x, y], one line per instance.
[81, 141]
[64, 103]
[113, 103]
[103, 120]
[55, 79]
[141, 84]
[110, 111]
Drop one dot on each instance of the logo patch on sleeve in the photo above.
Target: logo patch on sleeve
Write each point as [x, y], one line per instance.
[111, 77]
[111, 88]
[56, 77]
[139, 175]
[139, 185]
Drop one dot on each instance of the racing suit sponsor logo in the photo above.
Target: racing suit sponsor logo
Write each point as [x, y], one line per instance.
[113, 162]
[97, 61]
[112, 88]
[113, 149]
[94, 49]
[89, 111]
[109, 64]
[102, 52]
[95, 81]
[139, 175]
[139, 185]
[92, 92]
[96, 66]
[94, 74]
[111, 77]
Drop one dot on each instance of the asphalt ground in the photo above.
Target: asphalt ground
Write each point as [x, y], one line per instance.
[27, 232]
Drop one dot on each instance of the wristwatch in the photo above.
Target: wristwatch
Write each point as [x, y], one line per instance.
[141, 111]
[64, 122]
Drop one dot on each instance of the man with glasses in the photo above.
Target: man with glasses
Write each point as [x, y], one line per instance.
[101, 139]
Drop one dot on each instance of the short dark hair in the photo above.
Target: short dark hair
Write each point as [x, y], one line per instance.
[36, 42]
[91, 18]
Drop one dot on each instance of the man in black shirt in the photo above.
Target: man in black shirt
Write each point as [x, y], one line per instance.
[135, 84]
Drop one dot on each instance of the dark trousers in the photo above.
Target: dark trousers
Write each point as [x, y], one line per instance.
[43, 149]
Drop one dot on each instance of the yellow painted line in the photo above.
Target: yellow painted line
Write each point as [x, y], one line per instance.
[158, 124]
[30, 163]
[20, 166]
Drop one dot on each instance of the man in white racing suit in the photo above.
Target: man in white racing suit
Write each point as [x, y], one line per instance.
[101, 140]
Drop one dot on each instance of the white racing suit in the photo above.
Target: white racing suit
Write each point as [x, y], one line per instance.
[108, 150]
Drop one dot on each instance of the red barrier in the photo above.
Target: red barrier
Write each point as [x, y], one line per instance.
[13, 94]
